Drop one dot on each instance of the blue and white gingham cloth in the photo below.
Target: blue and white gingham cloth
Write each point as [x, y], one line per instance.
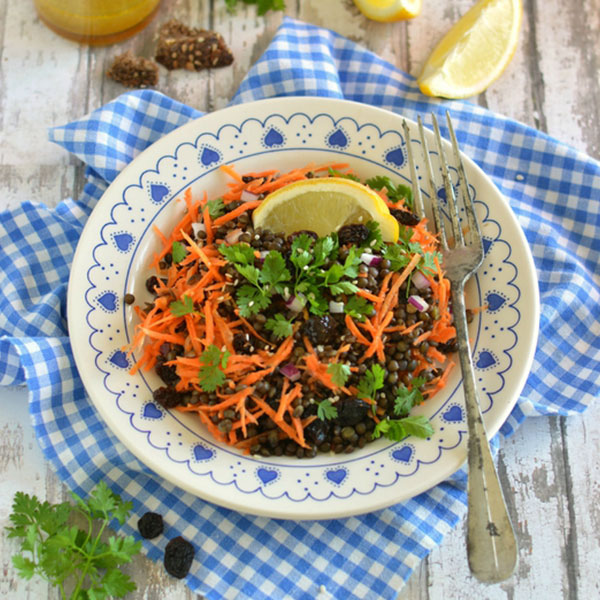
[555, 192]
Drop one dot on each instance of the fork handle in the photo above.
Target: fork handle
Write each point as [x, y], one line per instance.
[491, 542]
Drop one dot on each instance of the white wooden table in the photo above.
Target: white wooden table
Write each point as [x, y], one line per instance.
[549, 469]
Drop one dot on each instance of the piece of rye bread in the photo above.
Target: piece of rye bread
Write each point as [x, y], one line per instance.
[133, 71]
[183, 47]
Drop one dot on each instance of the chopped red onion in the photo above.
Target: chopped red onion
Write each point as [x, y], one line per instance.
[233, 236]
[418, 303]
[290, 371]
[370, 259]
[296, 303]
[198, 227]
[248, 196]
[336, 307]
[420, 281]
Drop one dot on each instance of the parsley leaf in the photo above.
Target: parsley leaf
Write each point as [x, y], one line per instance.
[263, 6]
[374, 241]
[211, 375]
[280, 326]
[241, 254]
[69, 557]
[397, 256]
[358, 308]
[406, 399]
[182, 307]
[339, 373]
[274, 272]
[216, 208]
[371, 382]
[398, 429]
[333, 173]
[395, 191]
[178, 252]
[251, 300]
[326, 410]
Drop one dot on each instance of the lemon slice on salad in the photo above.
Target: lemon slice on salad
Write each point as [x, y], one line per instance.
[475, 52]
[389, 10]
[324, 205]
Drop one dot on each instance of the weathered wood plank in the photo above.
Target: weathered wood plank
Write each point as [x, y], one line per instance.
[548, 467]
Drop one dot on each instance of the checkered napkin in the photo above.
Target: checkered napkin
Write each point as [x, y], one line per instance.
[555, 193]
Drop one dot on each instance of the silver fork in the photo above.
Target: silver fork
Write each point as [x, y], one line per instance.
[491, 543]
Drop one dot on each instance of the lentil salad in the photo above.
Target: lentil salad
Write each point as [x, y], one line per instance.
[294, 345]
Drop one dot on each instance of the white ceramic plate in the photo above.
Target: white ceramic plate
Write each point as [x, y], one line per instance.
[283, 133]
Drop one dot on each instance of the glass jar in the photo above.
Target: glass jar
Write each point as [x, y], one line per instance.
[96, 22]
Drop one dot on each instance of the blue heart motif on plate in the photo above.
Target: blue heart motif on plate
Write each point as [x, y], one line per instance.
[158, 192]
[273, 138]
[109, 301]
[396, 157]
[494, 301]
[208, 156]
[267, 475]
[123, 241]
[403, 454]
[336, 475]
[338, 138]
[487, 243]
[202, 453]
[486, 359]
[119, 359]
[152, 412]
[453, 415]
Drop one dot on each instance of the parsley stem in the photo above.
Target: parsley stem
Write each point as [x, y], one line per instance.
[88, 561]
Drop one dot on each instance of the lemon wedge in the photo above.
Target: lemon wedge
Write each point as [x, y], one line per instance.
[475, 52]
[389, 10]
[324, 205]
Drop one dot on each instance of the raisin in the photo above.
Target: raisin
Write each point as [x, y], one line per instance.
[150, 525]
[405, 217]
[351, 411]
[166, 372]
[320, 330]
[179, 554]
[353, 234]
[317, 431]
[167, 397]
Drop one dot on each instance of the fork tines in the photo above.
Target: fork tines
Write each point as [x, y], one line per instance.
[469, 233]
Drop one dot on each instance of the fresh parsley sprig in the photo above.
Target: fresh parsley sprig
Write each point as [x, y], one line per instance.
[213, 363]
[326, 410]
[216, 208]
[280, 326]
[86, 560]
[397, 429]
[395, 191]
[417, 425]
[178, 252]
[263, 5]
[180, 308]
[407, 398]
[263, 282]
[339, 372]
[371, 382]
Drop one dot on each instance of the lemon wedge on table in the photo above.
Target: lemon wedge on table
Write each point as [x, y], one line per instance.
[324, 205]
[475, 52]
[389, 10]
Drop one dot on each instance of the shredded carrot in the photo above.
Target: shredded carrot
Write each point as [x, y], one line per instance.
[194, 309]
